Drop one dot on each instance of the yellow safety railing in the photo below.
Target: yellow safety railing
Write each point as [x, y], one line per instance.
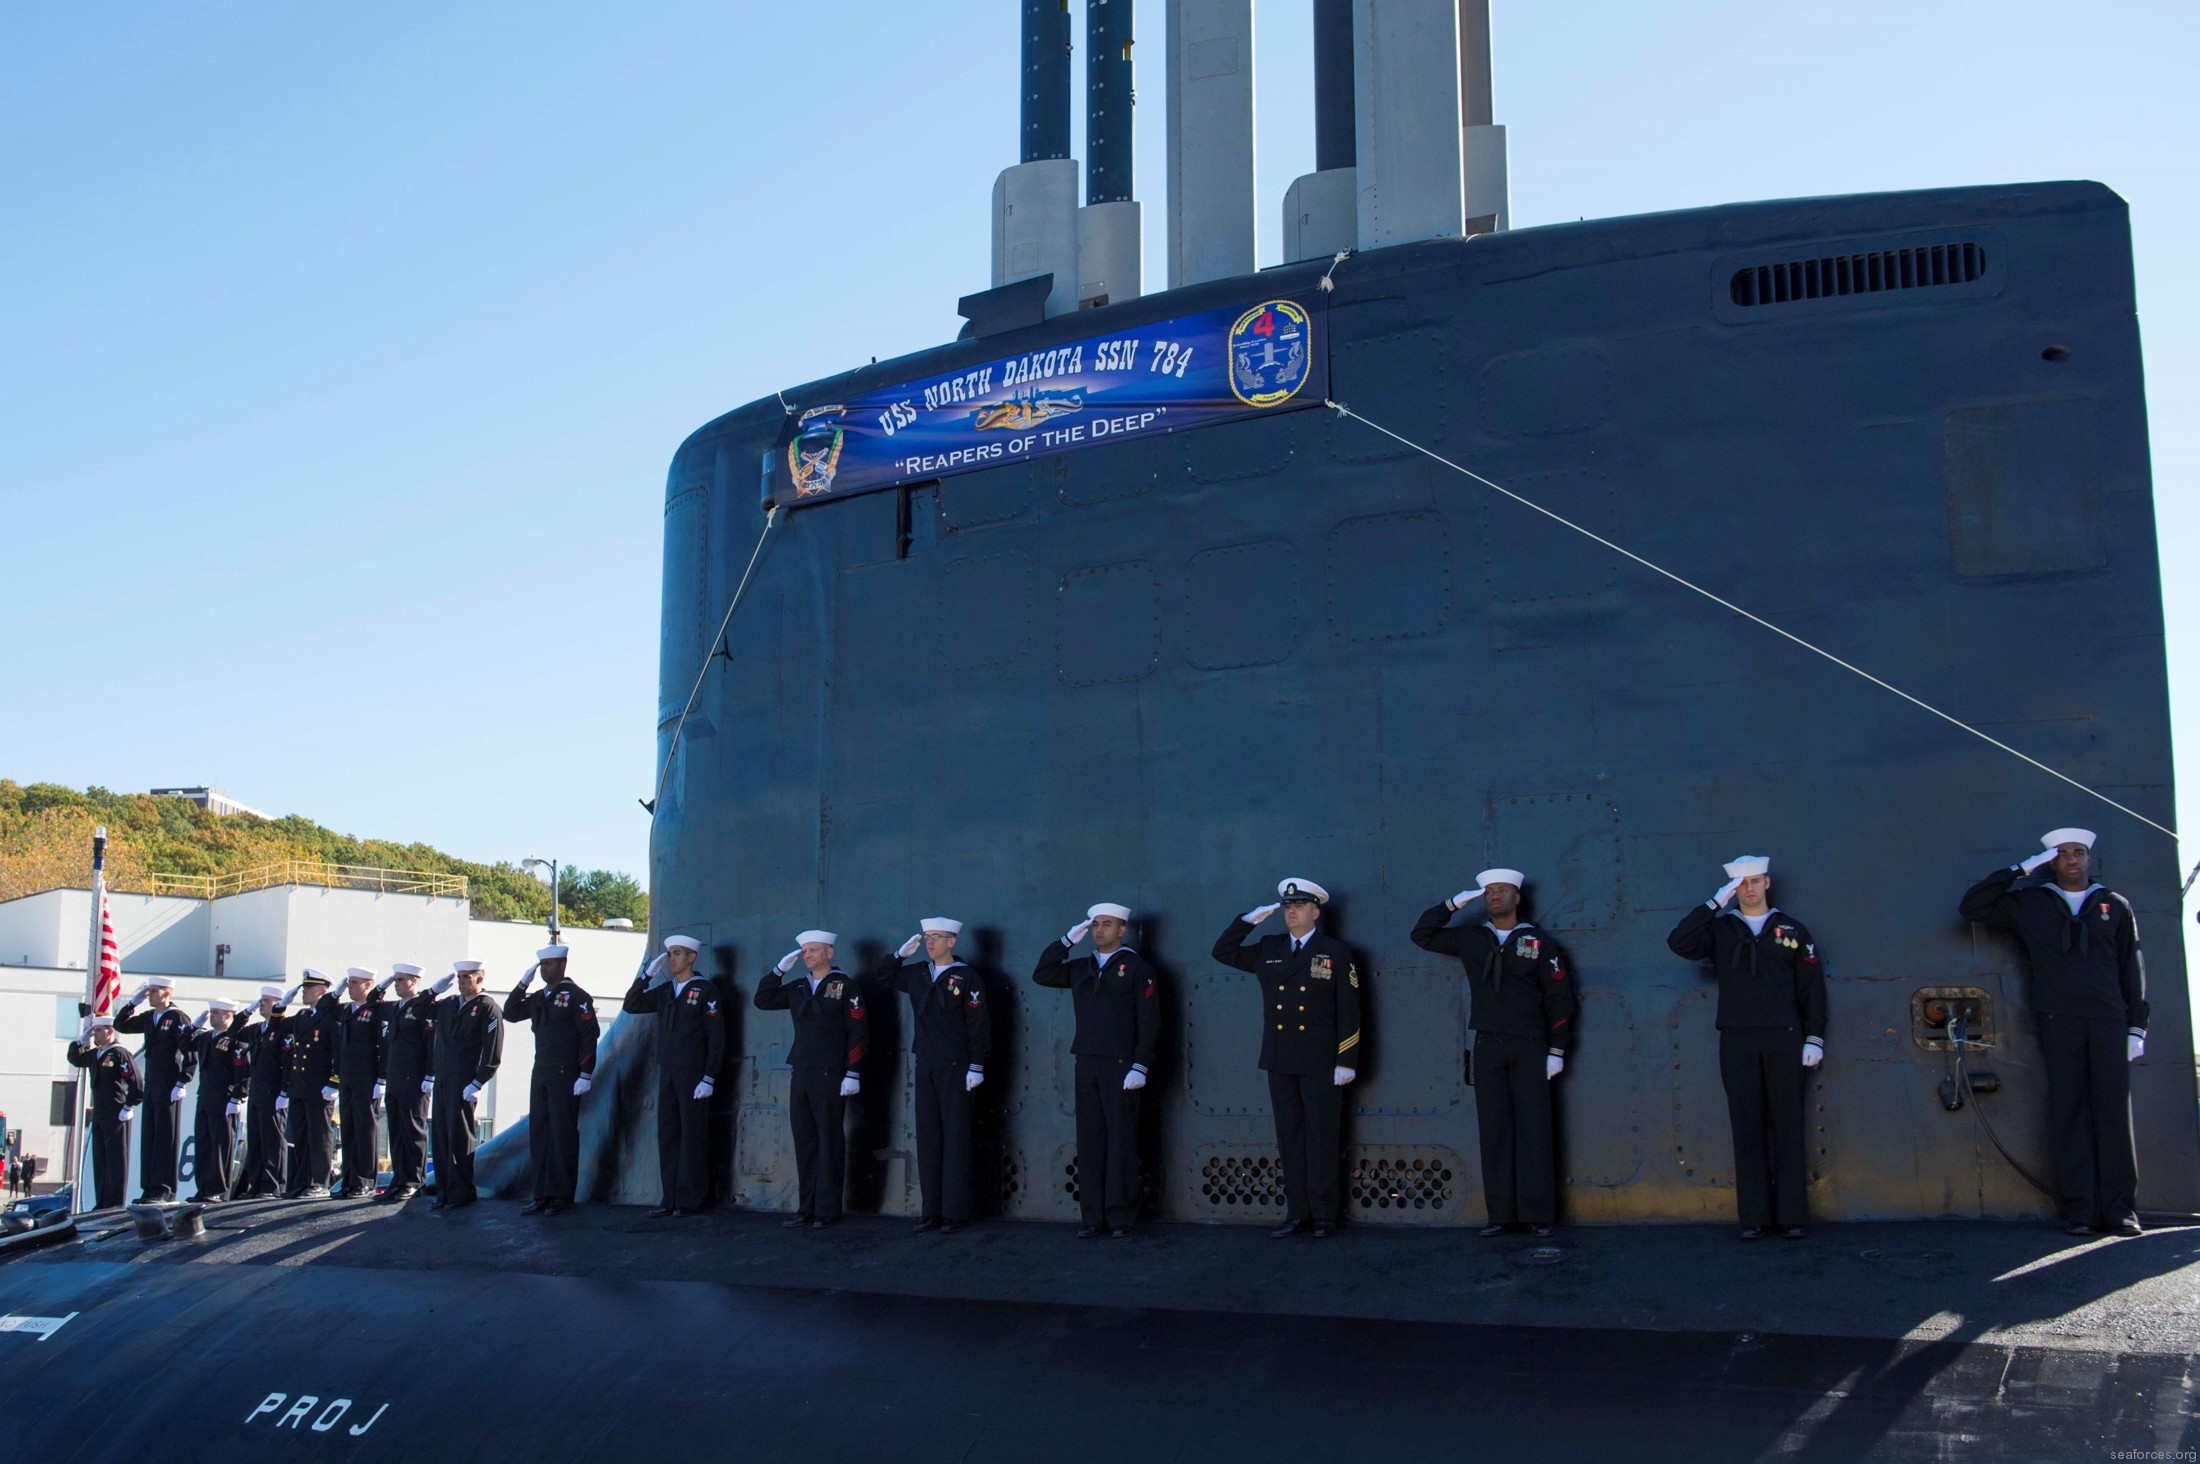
[310, 872]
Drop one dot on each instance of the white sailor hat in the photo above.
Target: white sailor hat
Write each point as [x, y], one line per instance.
[2056, 838]
[817, 937]
[403, 968]
[216, 1004]
[683, 943]
[464, 968]
[552, 953]
[273, 990]
[1747, 865]
[103, 1020]
[308, 976]
[1113, 912]
[940, 925]
[167, 981]
[1489, 877]
[1298, 891]
[361, 973]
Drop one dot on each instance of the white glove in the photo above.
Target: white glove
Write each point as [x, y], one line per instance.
[702, 1090]
[910, 947]
[233, 1108]
[328, 1095]
[1077, 932]
[1343, 1076]
[444, 984]
[381, 1086]
[175, 1094]
[1133, 1081]
[129, 1115]
[2045, 856]
[582, 1084]
[1553, 1065]
[1814, 1052]
[282, 1102]
[528, 975]
[850, 1086]
[971, 1080]
[292, 994]
[1726, 892]
[471, 1092]
[427, 1087]
[1459, 901]
[786, 962]
[655, 968]
[1259, 913]
[138, 995]
[2135, 1047]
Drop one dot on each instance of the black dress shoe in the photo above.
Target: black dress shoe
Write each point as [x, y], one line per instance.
[534, 1207]
[824, 1224]
[460, 1202]
[953, 1227]
[1493, 1231]
[1753, 1232]
[662, 1212]
[557, 1207]
[1087, 1232]
[1287, 1229]
[1793, 1232]
[1543, 1231]
[796, 1223]
[1323, 1230]
[314, 1192]
[2130, 1226]
[1121, 1232]
[925, 1226]
[440, 1205]
[2079, 1229]
[682, 1214]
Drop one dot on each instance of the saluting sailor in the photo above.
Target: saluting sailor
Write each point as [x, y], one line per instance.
[1772, 1027]
[565, 1068]
[310, 1040]
[171, 1060]
[954, 1036]
[1113, 993]
[1309, 1044]
[832, 1028]
[225, 1076]
[2088, 993]
[691, 1044]
[408, 1072]
[1523, 1003]
[116, 1092]
[469, 1047]
[266, 1146]
[361, 1068]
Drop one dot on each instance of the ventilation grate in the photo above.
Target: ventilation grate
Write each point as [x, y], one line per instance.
[1830, 276]
[1242, 1182]
[1401, 1182]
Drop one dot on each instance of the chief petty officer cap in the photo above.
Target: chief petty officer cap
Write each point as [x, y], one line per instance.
[167, 981]
[941, 924]
[684, 943]
[361, 973]
[464, 968]
[311, 977]
[551, 953]
[272, 990]
[817, 937]
[1301, 891]
[216, 1004]
[1113, 912]
[403, 968]
[2056, 838]
[1749, 864]
[1489, 877]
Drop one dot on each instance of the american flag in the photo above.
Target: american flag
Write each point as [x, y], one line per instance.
[107, 986]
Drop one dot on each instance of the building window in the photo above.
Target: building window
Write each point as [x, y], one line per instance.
[64, 1099]
[66, 1023]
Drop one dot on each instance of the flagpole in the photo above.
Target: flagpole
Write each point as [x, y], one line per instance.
[78, 1133]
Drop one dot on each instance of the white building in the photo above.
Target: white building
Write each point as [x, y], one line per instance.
[228, 946]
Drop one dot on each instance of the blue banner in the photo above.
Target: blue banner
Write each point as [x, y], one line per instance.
[1164, 377]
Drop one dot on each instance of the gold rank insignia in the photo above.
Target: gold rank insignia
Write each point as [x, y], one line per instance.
[1322, 970]
[1352, 974]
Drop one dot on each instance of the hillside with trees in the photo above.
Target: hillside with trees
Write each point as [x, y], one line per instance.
[46, 840]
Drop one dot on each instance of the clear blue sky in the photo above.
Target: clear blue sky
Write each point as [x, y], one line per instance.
[343, 348]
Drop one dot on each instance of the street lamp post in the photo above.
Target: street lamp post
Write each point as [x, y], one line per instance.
[552, 866]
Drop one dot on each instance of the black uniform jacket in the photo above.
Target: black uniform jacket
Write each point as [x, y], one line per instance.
[311, 1038]
[1771, 979]
[469, 1040]
[171, 1054]
[954, 1024]
[114, 1078]
[263, 1037]
[1118, 1010]
[225, 1066]
[2084, 965]
[565, 1026]
[1522, 988]
[364, 1031]
[408, 1043]
[691, 1029]
[1309, 999]
[832, 1025]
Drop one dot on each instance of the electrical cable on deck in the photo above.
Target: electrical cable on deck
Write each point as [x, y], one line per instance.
[770, 518]
[1344, 411]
